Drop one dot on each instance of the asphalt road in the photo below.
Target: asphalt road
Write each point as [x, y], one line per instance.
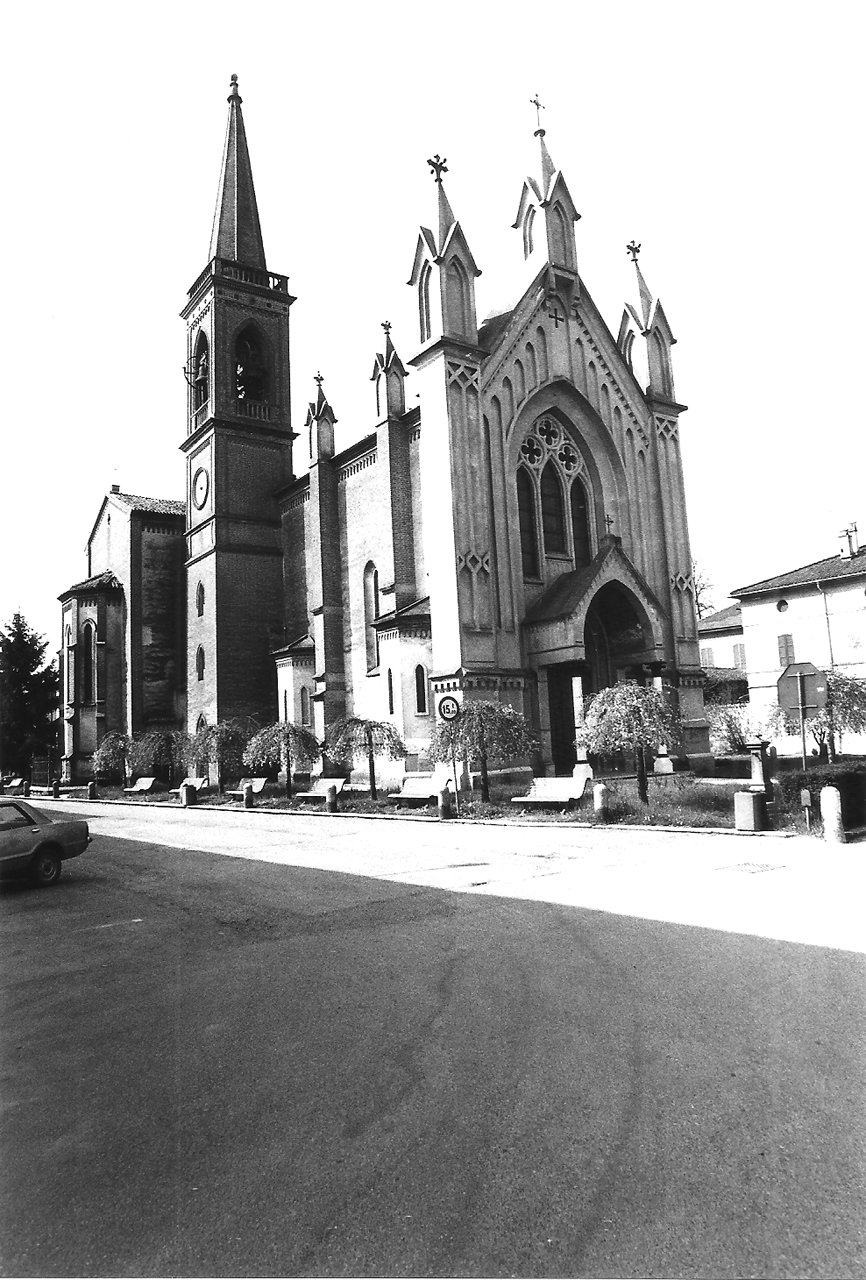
[227, 1066]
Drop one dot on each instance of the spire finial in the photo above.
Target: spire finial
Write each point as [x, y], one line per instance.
[386, 325]
[234, 95]
[438, 167]
[319, 379]
[539, 107]
[634, 250]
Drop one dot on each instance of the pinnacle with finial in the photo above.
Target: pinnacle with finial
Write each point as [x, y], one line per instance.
[539, 107]
[438, 167]
[319, 379]
[386, 325]
[234, 94]
[633, 249]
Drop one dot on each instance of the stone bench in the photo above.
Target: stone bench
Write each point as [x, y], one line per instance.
[561, 793]
[320, 788]
[140, 788]
[422, 788]
[198, 784]
[257, 784]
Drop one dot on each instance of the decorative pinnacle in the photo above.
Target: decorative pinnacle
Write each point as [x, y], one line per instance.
[539, 107]
[386, 325]
[633, 249]
[319, 379]
[438, 167]
[233, 91]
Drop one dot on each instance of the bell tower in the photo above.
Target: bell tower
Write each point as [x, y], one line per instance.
[238, 448]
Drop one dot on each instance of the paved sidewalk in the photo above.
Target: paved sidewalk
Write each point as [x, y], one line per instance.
[797, 889]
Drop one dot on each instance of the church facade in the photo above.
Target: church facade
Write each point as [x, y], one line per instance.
[518, 535]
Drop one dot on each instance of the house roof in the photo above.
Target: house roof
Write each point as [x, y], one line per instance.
[153, 506]
[727, 619]
[833, 568]
[100, 582]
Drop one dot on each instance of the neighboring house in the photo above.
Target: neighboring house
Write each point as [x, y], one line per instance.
[814, 614]
[123, 656]
[723, 655]
[518, 534]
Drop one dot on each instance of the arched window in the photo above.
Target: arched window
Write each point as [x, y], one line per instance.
[200, 373]
[70, 667]
[580, 524]
[457, 297]
[371, 613]
[559, 237]
[88, 663]
[199, 663]
[252, 369]
[552, 514]
[305, 706]
[390, 693]
[528, 238]
[420, 690]
[526, 514]
[199, 599]
[424, 301]
[285, 707]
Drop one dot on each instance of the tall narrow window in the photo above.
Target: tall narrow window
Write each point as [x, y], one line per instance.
[199, 599]
[199, 663]
[390, 693]
[740, 657]
[88, 664]
[552, 514]
[420, 691]
[285, 707]
[424, 302]
[305, 706]
[786, 651]
[252, 371]
[371, 613]
[526, 514]
[580, 524]
[200, 372]
[70, 667]
[457, 295]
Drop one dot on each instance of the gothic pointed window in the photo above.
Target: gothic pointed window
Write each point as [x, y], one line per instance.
[199, 600]
[457, 297]
[424, 301]
[371, 613]
[88, 663]
[305, 705]
[201, 372]
[420, 691]
[580, 524]
[552, 514]
[252, 369]
[526, 516]
[199, 663]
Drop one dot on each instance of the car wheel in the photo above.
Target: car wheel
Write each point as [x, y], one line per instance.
[46, 867]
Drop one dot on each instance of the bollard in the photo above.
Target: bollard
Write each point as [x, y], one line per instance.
[248, 796]
[91, 791]
[831, 815]
[331, 800]
[750, 811]
[26, 788]
[599, 801]
[55, 789]
[188, 795]
[444, 804]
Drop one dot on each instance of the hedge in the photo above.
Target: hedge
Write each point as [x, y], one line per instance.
[848, 776]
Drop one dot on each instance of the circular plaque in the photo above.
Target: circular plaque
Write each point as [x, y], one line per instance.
[200, 487]
[449, 708]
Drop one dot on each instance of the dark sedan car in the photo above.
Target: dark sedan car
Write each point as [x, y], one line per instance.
[32, 841]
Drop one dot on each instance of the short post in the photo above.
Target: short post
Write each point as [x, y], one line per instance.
[91, 791]
[750, 811]
[188, 795]
[248, 796]
[55, 789]
[331, 800]
[444, 804]
[831, 815]
[599, 801]
[806, 806]
[26, 788]
[760, 766]
[663, 762]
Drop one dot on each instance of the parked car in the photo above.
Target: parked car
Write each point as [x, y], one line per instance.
[34, 842]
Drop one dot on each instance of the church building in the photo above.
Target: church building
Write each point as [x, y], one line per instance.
[519, 534]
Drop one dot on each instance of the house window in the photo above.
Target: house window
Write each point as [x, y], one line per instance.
[305, 706]
[580, 524]
[526, 516]
[199, 663]
[371, 613]
[199, 599]
[786, 651]
[740, 657]
[390, 693]
[420, 691]
[552, 514]
[707, 658]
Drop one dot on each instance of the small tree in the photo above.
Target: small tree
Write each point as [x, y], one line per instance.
[704, 587]
[845, 711]
[223, 744]
[628, 717]
[486, 733]
[352, 736]
[112, 755]
[28, 696]
[293, 741]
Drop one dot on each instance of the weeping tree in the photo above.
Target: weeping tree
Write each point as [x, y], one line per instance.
[352, 736]
[628, 717]
[267, 747]
[223, 744]
[486, 733]
[844, 712]
[112, 755]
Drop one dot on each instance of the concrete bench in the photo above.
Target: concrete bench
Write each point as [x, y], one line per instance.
[141, 787]
[320, 788]
[198, 784]
[558, 792]
[257, 784]
[14, 787]
[422, 788]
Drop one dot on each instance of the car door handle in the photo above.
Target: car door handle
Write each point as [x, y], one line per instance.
[36, 830]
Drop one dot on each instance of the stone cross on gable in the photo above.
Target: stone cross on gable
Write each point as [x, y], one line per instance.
[318, 379]
[609, 521]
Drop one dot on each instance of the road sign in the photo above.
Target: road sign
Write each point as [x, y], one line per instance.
[814, 689]
[449, 708]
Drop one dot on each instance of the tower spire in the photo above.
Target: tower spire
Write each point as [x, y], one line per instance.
[548, 168]
[446, 213]
[237, 235]
[646, 298]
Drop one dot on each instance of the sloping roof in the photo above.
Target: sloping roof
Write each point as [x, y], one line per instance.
[100, 582]
[560, 599]
[724, 620]
[154, 506]
[492, 329]
[833, 567]
[418, 609]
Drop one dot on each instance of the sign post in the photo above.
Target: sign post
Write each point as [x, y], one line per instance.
[449, 710]
[802, 689]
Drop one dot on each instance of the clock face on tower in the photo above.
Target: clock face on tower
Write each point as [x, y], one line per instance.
[200, 487]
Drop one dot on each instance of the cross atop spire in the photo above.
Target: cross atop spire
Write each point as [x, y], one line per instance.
[539, 107]
[237, 234]
[646, 298]
[633, 249]
[446, 213]
[386, 325]
[438, 167]
[319, 380]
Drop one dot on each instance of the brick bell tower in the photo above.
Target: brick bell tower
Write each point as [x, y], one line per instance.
[238, 449]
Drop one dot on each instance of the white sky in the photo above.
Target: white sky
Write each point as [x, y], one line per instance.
[726, 139]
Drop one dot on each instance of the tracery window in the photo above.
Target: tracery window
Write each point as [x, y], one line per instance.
[88, 663]
[526, 517]
[552, 512]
